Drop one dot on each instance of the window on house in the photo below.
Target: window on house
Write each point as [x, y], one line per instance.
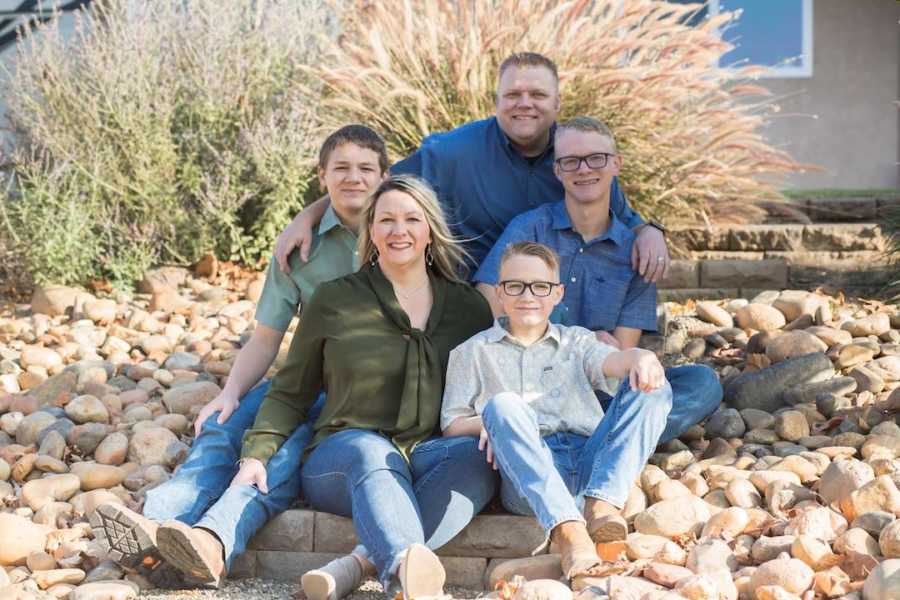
[773, 33]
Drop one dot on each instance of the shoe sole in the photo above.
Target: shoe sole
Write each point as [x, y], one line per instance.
[124, 538]
[422, 574]
[179, 550]
[609, 531]
[318, 585]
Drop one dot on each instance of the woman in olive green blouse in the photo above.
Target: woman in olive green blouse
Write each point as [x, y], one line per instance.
[378, 341]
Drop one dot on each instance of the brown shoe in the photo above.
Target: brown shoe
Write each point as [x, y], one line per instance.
[195, 552]
[607, 528]
[127, 537]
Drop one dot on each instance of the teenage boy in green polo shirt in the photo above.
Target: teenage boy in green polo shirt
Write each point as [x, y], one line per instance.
[212, 521]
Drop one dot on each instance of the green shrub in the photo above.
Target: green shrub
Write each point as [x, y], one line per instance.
[161, 132]
[688, 130]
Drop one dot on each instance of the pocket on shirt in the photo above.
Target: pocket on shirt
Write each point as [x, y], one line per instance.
[608, 293]
[553, 381]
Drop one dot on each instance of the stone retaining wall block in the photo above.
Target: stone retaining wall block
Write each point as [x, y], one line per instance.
[769, 273]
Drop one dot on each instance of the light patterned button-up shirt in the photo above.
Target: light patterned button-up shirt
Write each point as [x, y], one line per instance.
[556, 376]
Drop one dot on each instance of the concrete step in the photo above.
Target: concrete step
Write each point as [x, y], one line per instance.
[299, 540]
[779, 270]
[816, 237]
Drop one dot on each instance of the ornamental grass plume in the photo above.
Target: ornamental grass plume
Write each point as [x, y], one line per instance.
[159, 131]
[688, 129]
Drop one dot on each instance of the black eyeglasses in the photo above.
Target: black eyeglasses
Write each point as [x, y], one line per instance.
[598, 160]
[539, 289]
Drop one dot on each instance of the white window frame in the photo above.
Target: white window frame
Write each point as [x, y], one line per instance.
[796, 71]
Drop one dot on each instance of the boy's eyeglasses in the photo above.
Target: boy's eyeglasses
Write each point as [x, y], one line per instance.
[598, 160]
[539, 289]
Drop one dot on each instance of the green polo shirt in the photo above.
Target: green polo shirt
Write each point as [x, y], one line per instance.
[333, 255]
[379, 373]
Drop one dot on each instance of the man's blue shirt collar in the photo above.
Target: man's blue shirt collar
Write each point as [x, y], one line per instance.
[504, 140]
[617, 231]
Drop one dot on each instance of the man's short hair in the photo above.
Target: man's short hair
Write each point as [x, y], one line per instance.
[541, 251]
[528, 59]
[587, 125]
[360, 135]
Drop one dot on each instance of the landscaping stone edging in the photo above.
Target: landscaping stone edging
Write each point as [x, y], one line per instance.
[299, 540]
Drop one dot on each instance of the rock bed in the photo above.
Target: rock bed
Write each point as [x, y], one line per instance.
[789, 491]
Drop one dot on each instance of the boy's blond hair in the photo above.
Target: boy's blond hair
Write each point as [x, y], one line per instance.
[545, 253]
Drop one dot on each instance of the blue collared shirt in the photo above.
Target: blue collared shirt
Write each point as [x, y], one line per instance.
[483, 183]
[603, 291]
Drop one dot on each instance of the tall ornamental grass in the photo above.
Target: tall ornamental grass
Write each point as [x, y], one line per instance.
[688, 130]
[159, 132]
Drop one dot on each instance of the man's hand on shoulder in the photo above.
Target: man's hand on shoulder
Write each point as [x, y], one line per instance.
[225, 404]
[650, 255]
[298, 234]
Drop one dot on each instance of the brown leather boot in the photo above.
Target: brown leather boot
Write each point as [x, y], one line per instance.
[194, 551]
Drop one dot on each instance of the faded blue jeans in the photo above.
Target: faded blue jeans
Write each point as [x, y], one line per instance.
[198, 493]
[696, 394]
[549, 476]
[394, 503]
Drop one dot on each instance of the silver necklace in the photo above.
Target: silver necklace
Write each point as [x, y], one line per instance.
[408, 295]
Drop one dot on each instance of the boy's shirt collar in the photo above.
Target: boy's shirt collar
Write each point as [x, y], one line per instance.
[617, 231]
[500, 332]
[330, 220]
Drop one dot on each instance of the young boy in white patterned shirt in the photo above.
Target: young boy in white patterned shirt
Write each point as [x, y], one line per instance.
[526, 387]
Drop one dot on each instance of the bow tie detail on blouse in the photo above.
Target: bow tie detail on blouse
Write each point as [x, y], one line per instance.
[420, 402]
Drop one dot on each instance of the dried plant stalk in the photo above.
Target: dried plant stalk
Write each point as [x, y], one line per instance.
[688, 130]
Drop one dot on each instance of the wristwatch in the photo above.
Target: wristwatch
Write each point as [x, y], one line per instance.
[657, 225]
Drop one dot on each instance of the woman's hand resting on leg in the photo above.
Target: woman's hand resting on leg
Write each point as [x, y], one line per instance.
[252, 472]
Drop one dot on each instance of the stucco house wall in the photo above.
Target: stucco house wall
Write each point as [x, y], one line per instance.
[844, 118]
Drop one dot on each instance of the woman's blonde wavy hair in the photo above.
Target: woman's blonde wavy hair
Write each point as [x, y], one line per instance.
[449, 256]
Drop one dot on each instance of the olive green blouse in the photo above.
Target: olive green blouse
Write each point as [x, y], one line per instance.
[379, 373]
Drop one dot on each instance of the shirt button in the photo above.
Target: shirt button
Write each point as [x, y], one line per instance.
[581, 251]
[574, 280]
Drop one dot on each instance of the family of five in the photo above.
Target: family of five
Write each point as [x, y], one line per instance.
[468, 323]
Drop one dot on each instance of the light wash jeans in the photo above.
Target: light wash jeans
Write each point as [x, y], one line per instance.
[550, 476]
[198, 493]
[696, 394]
[394, 503]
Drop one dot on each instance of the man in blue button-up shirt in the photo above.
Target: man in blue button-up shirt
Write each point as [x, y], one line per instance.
[487, 172]
[603, 292]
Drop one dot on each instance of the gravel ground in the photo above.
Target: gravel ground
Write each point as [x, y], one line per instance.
[243, 589]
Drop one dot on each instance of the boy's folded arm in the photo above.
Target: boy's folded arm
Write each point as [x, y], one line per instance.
[619, 363]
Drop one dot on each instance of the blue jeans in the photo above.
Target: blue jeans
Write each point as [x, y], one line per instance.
[696, 394]
[549, 476]
[394, 503]
[198, 493]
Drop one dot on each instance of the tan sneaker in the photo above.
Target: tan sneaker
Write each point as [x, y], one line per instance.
[421, 574]
[195, 552]
[607, 528]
